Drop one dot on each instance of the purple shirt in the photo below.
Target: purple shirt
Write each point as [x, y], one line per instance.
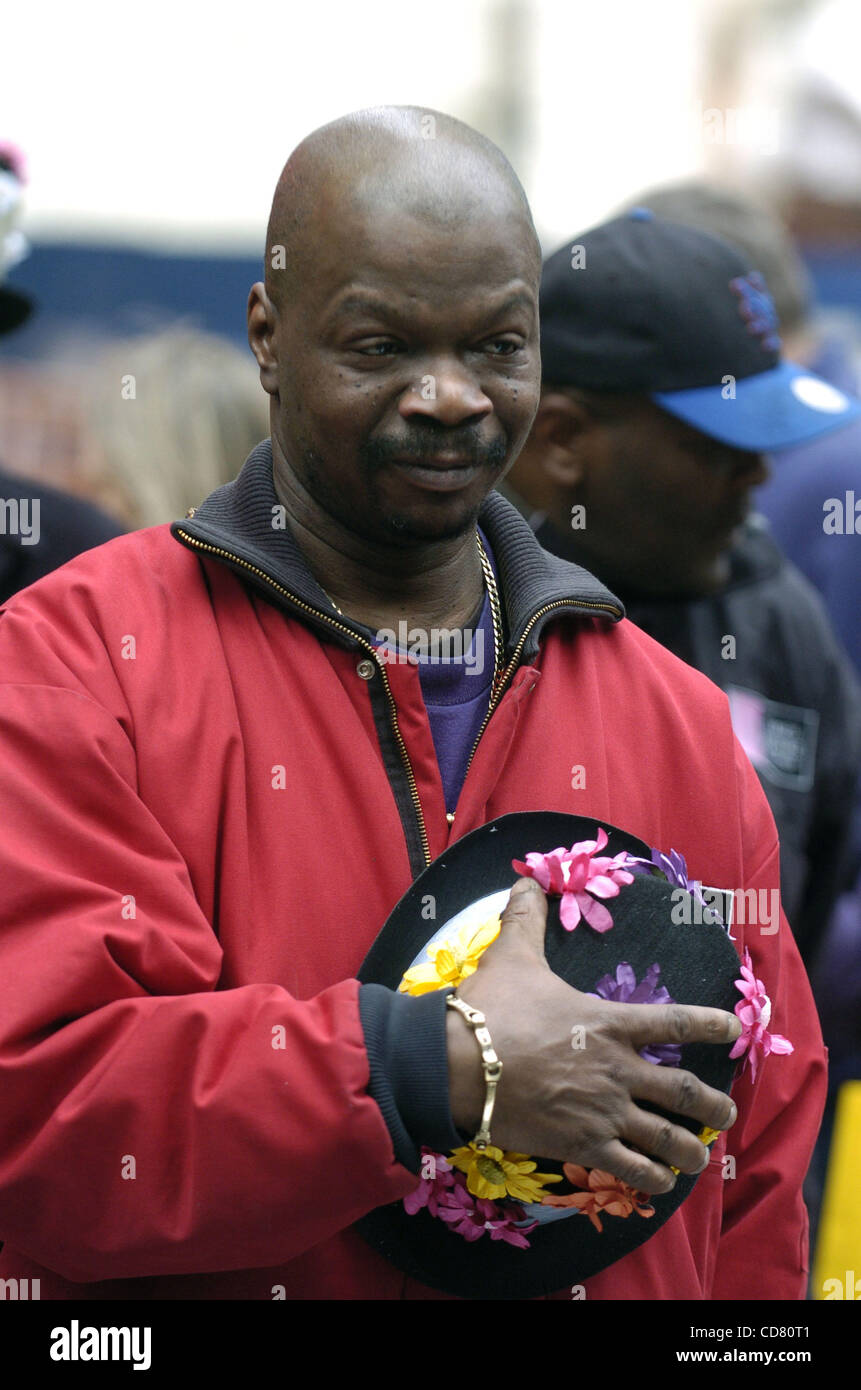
[456, 677]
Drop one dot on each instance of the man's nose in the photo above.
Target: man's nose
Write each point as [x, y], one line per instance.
[448, 394]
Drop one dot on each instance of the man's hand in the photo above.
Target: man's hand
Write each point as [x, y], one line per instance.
[579, 1105]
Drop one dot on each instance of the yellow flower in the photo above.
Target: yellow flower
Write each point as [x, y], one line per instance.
[453, 960]
[492, 1174]
[708, 1136]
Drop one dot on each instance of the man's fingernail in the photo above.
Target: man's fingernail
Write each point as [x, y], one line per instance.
[523, 885]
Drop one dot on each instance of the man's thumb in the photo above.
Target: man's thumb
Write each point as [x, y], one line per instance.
[526, 915]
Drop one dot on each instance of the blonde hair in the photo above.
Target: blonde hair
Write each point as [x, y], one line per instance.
[170, 415]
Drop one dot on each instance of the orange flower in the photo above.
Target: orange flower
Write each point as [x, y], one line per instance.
[604, 1193]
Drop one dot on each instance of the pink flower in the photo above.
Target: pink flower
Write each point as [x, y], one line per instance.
[473, 1217]
[575, 875]
[430, 1189]
[504, 1228]
[754, 1013]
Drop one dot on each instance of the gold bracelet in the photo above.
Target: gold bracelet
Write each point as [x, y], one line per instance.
[490, 1064]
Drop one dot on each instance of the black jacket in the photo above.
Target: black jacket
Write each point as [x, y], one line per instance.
[37, 539]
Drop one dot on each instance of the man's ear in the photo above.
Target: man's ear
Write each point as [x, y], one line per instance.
[559, 435]
[262, 324]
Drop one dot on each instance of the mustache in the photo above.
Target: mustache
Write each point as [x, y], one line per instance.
[421, 444]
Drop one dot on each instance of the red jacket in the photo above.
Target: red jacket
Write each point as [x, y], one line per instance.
[202, 834]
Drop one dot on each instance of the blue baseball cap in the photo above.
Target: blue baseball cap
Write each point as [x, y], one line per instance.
[641, 304]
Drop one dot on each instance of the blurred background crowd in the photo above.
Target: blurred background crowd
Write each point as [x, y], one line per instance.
[135, 180]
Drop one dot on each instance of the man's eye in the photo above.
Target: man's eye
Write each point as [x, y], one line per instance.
[506, 346]
[384, 348]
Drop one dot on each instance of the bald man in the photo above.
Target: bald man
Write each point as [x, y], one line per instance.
[226, 770]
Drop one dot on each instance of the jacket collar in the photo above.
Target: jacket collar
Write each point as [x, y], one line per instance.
[239, 525]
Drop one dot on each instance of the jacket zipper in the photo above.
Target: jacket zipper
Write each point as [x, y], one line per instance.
[495, 698]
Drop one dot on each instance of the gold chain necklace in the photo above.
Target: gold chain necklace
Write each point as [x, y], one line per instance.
[495, 612]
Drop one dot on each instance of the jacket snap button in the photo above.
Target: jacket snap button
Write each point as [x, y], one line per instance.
[366, 669]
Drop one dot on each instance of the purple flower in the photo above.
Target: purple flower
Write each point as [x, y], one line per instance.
[431, 1188]
[457, 1208]
[473, 1217]
[507, 1226]
[675, 870]
[623, 989]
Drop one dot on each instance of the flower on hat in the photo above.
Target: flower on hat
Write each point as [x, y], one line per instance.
[431, 1188]
[622, 988]
[492, 1173]
[707, 1135]
[754, 1012]
[579, 878]
[674, 868]
[473, 1217]
[446, 1195]
[604, 1195]
[453, 960]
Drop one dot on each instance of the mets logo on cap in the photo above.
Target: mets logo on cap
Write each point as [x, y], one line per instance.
[756, 307]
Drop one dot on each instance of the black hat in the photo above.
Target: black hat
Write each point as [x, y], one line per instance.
[641, 304]
[649, 945]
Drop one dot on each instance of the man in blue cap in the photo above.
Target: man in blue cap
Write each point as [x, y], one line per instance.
[663, 390]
